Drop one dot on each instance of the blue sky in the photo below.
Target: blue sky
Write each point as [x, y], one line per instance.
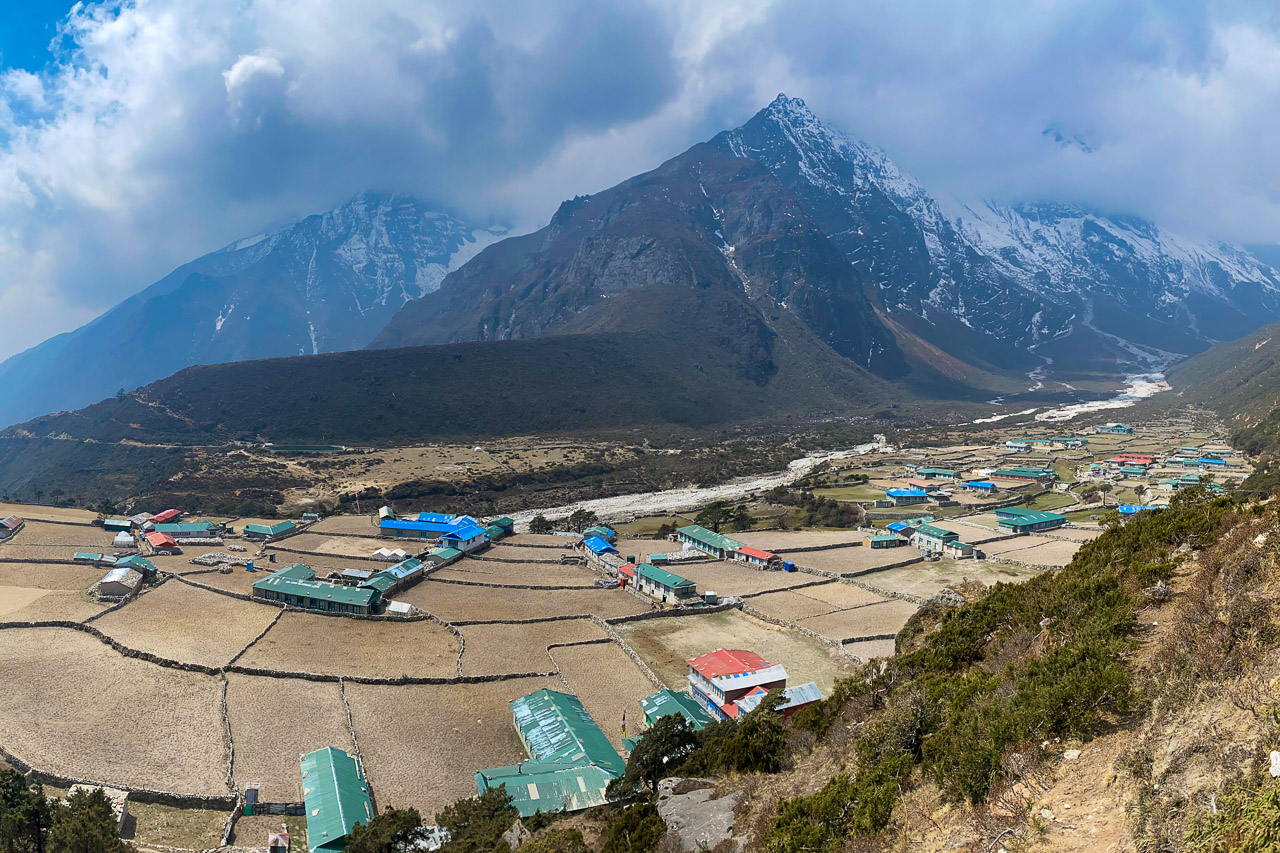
[26, 29]
[164, 129]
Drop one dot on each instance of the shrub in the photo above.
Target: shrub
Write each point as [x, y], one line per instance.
[637, 830]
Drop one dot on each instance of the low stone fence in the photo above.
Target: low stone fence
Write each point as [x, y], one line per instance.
[480, 559]
[141, 795]
[812, 548]
[615, 637]
[510, 585]
[672, 612]
[274, 547]
[773, 620]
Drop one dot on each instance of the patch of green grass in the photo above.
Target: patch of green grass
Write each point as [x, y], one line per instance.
[196, 829]
[1050, 501]
[861, 492]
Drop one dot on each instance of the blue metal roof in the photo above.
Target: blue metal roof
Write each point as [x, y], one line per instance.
[906, 493]
[463, 532]
[436, 517]
[599, 546]
[897, 526]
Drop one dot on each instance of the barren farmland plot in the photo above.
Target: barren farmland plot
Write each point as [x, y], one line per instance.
[642, 548]
[665, 644]
[331, 645]
[502, 649]
[237, 580]
[1052, 554]
[190, 829]
[848, 560]
[608, 683]
[183, 623]
[70, 605]
[454, 603]
[868, 649]
[516, 552]
[332, 546]
[971, 533]
[30, 512]
[781, 540]
[44, 576]
[928, 579]
[1019, 543]
[526, 574]
[273, 720]
[15, 598]
[799, 604]
[421, 743]
[885, 617]
[361, 525]
[561, 542]
[73, 706]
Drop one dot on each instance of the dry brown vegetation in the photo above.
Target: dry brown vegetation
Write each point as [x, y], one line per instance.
[885, 617]
[608, 683]
[477, 603]
[800, 604]
[273, 721]
[846, 560]
[780, 540]
[363, 525]
[526, 574]
[305, 642]
[108, 718]
[421, 743]
[517, 552]
[501, 649]
[183, 623]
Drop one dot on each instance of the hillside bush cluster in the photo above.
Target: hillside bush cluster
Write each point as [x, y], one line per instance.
[30, 822]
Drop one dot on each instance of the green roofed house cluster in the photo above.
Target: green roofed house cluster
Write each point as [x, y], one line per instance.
[571, 761]
[296, 585]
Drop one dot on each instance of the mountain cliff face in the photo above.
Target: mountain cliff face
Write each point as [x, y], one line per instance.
[998, 281]
[704, 229]
[327, 283]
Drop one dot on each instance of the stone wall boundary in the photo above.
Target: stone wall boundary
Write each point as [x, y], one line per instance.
[355, 741]
[142, 795]
[457, 582]
[480, 559]
[254, 641]
[615, 637]
[773, 620]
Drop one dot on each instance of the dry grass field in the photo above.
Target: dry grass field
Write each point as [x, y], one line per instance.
[44, 576]
[72, 605]
[273, 720]
[738, 578]
[118, 720]
[31, 512]
[364, 525]
[502, 649]
[15, 598]
[665, 644]
[503, 551]
[531, 574]
[237, 580]
[884, 617]
[477, 603]
[330, 645]
[1077, 534]
[422, 743]
[847, 560]
[187, 624]
[608, 683]
[868, 649]
[928, 579]
[804, 603]
[643, 547]
[1051, 554]
[39, 533]
[780, 540]
[191, 829]
[1018, 543]
[335, 546]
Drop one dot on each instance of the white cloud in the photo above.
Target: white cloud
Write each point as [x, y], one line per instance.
[171, 127]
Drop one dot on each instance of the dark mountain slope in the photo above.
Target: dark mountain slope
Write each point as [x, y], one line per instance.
[701, 222]
[716, 361]
[1240, 380]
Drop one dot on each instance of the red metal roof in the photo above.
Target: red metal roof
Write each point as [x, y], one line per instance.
[12, 522]
[628, 569]
[728, 662]
[161, 540]
[167, 515]
[755, 552]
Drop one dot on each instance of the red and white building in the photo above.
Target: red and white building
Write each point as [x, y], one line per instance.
[756, 557]
[730, 682]
[10, 526]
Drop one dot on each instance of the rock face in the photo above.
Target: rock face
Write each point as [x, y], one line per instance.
[325, 284]
[695, 821]
[975, 276]
[706, 226]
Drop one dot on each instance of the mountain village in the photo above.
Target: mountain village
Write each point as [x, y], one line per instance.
[440, 655]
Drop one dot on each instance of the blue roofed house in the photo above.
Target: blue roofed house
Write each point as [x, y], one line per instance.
[906, 497]
[598, 546]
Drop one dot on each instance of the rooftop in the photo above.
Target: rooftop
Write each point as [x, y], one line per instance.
[336, 795]
[708, 537]
[723, 662]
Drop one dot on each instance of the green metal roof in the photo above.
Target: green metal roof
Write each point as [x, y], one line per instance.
[272, 530]
[937, 532]
[185, 526]
[662, 577]
[1019, 471]
[297, 580]
[555, 728]
[538, 787]
[336, 795]
[945, 472]
[884, 537]
[701, 534]
[446, 554]
[381, 582]
[666, 702]
[1025, 517]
